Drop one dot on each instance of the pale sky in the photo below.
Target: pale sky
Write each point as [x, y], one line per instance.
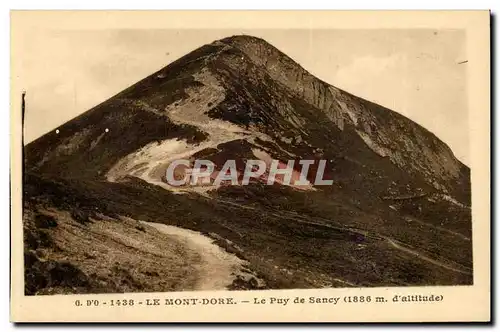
[413, 72]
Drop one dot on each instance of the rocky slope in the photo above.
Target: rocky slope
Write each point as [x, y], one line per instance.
[397, 211]
[387, 133]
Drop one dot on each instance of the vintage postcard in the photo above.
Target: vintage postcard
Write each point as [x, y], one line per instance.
[299, 166]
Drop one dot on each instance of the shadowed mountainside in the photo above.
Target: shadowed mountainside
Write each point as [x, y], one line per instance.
[398, 212]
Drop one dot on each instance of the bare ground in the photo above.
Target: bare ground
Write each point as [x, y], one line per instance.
[66, 254]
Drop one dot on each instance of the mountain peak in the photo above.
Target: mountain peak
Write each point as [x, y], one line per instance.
[252, 83]
[248, 39]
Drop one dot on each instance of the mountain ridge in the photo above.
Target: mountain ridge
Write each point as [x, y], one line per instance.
[395, 214]
[335, 103]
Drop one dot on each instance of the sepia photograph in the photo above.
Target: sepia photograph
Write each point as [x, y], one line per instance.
[240, 159]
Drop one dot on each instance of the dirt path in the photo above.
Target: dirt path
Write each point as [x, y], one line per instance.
[217, 268]
[442, 229]
[425, 258]
[394, 243]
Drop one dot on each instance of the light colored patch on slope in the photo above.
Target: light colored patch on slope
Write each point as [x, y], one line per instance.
[262, 155]
[154, 158]
[146, 158]
[94, 143]
[151, 161]
[453, 201]
[217, 269]
[191, 110]
[380, 150]
[266, 138]
[349, 112]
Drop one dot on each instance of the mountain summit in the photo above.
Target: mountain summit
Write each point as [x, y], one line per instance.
[397, 213]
